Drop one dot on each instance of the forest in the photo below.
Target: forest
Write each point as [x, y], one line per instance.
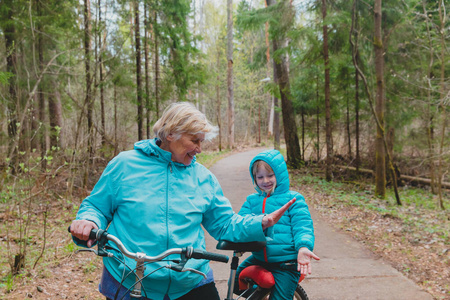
[354, 90]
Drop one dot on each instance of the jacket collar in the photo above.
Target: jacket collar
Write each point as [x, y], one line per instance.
[151, 148]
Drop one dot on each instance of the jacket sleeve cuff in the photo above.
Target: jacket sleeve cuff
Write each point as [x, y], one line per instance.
[305, 244]
[255, 227]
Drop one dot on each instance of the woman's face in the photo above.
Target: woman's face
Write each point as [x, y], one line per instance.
[185, 148]
[265, 179]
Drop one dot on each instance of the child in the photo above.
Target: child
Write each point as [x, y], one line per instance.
[288, 254]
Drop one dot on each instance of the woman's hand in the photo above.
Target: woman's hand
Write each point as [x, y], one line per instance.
[273, 218]
[81, 229]
[304, 260]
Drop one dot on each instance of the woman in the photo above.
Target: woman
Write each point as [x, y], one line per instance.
[157, 197]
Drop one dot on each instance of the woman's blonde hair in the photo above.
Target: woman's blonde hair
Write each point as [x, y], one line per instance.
[183, 117]
[255, 167]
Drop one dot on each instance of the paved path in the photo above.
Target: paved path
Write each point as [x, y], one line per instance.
[347, 270]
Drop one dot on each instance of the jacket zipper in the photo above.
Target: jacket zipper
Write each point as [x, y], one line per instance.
[263, 211]
[167, 220]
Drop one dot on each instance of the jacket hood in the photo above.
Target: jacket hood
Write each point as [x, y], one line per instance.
[276, 161]
[151, 148]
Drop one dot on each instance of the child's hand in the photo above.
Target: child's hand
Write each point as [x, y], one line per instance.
[304, 260]
[273, 218]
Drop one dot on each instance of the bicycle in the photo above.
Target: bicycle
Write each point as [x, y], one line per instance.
[102, 237]
[253, 275]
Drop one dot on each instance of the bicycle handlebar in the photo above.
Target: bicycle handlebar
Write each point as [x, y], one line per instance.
[202, 254]
[189, 252]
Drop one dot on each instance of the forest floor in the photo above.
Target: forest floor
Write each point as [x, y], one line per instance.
[417, 245]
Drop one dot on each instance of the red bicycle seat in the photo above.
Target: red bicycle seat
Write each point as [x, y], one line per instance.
[258, 275]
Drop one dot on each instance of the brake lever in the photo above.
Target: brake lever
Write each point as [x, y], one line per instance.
[100, 252]
[86, 250]
[181, 263]
[195, 271]
[180, 268]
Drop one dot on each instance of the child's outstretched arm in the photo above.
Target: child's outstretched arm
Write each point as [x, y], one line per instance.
[304, 260]
[273, 218]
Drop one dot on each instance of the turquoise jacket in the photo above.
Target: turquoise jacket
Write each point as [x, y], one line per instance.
[295, 228]
[152, 204]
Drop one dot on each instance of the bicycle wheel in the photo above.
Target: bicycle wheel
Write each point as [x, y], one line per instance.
[300, 294]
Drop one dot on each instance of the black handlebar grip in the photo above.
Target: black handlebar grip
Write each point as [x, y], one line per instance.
[92, 234]
[202, 254]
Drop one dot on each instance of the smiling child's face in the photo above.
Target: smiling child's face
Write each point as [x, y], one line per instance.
[265, 179]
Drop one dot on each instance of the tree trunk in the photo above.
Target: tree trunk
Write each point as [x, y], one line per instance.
[230, 74]
[358, 155]
[347, 123]
[41, 97]
[290, 127]
[276, 124]
[380, 169]
[35, 125]
[276, 114]
[219, 104]
[294, 159]
[147, 71]
[355, 58]
[155, 41]
[429, 116]
[390, 140]
[270, 98]
[55, 117]
[100, 65]
[116, 141]
[443, 95]
[379, 123]
[140, 104]
[303, 134]
[318, 120]
[87, 52]
[329, 161]
[11, 51]
[259, 123]
[89, 102]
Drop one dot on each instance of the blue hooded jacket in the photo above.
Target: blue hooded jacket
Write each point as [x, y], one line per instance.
[295, 228]
[152, 203]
